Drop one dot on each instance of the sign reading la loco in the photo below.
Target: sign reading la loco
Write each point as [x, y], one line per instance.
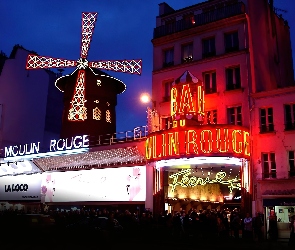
[20, 187]
[204, 140]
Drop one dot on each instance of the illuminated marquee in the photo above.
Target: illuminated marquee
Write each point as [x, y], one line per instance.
[206, 140]
[187, 98]
[183, 179]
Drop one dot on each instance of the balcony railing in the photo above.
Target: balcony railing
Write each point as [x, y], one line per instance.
[137, 134]
[267, 128]
[233, 86]
[168, 64]
[210, 90]
[187, 59]
[166, 98]
[200, 19]
[292, 173]
[269, 175]
[290, 126]
[209, 54]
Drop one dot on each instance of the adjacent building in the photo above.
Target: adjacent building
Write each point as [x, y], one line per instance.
[30, 104]
[241, 51]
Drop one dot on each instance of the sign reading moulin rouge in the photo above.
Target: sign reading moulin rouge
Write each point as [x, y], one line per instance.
[55, 145]
[229, 140]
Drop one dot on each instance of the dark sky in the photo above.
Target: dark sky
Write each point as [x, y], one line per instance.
[124, 30]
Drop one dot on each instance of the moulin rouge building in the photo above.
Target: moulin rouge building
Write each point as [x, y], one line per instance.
[197, 166]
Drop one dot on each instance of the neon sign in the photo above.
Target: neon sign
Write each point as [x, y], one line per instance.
[55, 145]
[187, 99]
[20, 150]
[66, 144]
[218, 140]
[182, 179]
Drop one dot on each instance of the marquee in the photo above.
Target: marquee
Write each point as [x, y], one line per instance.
[204, 140]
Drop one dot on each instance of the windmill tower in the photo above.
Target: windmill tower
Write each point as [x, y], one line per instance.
[90, 95]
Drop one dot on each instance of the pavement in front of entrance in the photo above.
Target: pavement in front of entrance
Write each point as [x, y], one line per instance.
[132, 243]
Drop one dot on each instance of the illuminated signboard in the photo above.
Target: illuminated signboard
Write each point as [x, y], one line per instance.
[187, 98]
[55, 145]
[215, 187]
[20, 187]
[109, 184]
[203, 140]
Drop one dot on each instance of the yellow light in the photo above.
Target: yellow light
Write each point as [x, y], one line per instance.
[145, 98]
[182, 179]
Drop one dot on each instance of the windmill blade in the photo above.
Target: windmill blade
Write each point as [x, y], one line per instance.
[88, 23]
[44, 62]
[126, 66]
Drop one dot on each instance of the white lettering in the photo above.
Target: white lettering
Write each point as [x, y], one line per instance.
[69, 143]
[80, 143]
[52, 145]
[19, 150]
[60, 147]
[69, 146]
[85, 141]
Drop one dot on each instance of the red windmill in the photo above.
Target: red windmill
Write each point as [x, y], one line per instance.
[90, 95]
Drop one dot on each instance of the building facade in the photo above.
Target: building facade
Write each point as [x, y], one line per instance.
[241, 51]
[24, 115]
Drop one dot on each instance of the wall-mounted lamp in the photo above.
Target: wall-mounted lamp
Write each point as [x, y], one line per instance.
[146, 98]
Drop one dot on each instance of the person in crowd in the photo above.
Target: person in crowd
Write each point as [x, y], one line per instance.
[236, 225]
[248, 228]
[292, 232]
[257, 227]
[273, 226]
[177, 225]
[226, 224]
[221, 228]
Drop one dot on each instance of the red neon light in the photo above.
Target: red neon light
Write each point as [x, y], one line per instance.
[206, 140]
[187, 101]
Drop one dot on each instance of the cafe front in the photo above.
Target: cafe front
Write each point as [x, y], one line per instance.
[205, 167]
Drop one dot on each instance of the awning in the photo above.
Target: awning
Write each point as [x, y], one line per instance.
[97, 159]
[279, 202]
[18, 167]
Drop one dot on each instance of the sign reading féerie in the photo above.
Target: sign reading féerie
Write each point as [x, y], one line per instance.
[55, 145]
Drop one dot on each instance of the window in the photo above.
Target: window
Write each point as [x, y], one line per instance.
[208, 47]
[167, 91]
[235, 115]
[266, 120]
[166, 122]
[108, 116]
[168, 57]
[269, 165]
[289, 116]
[187, 52]
[96, 114]
[231, 41]
[210, 82]
[233, 78]
[292, 162]
[210, 117]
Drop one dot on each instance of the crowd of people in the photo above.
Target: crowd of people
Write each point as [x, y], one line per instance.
[182, 225]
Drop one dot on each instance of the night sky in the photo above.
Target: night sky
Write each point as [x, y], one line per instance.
[124, 30]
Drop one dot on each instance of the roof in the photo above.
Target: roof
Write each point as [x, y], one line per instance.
[186, 77]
